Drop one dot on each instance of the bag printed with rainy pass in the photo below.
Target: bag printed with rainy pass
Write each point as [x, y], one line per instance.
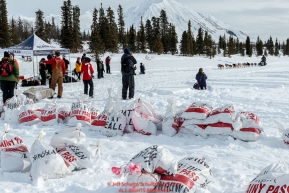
[224, 114]
[15, 156]
[192, 173]
[156, 159]
[49, 114]
[80, 113]
[273, 178]
[63, 114]
[27, 116]
[79, 156]
[197, 110]
[46, 162]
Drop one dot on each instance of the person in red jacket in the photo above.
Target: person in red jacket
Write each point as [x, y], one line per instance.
[87, 75]
[58, 72]
[107, 63]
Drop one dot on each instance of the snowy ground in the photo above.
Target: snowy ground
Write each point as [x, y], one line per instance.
[261, 90]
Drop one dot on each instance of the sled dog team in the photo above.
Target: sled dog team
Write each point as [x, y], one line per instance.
[237, 65]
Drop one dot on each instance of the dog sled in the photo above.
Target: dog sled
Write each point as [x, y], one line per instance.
[262, 63]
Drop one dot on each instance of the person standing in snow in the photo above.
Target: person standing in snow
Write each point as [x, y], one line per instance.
[49, 68]
[100, 68]
[107, 63]
[87, 72]
[201, 78]
[8, 82]
[78, 68]
[142, 68]
[127, 69]
[42, 71]
[83, 57]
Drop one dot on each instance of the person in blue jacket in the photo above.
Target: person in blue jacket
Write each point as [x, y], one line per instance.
[142, 68]
[201, 78]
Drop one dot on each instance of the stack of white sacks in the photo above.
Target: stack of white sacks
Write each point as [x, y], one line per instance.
[201, 119]
[155, 169]
[67, 152]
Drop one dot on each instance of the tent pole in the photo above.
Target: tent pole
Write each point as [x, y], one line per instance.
[37, 66]
[33, 66]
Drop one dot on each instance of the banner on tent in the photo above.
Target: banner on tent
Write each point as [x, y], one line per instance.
[17, 52]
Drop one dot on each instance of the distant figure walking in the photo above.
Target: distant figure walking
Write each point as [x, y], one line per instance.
[201, 78]
[78, 65]
[100, 68]
[107, 63]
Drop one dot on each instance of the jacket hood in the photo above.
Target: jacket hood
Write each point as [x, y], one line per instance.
[127, 51]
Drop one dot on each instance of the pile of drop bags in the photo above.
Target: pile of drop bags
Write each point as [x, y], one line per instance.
[68, 151]
[155, 169]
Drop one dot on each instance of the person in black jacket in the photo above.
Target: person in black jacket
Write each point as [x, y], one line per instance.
[128, 67]
[100, 68]
[49, 68]
[42, 71]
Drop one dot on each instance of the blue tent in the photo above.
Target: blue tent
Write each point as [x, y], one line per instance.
[34, 46]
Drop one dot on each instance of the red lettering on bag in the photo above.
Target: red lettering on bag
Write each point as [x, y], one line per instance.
[270, 188]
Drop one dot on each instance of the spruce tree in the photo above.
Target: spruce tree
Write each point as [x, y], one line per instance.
[184, 43]
[287, 47]
[149, 34]
[157, 43]
[173, 39]
[66, 31]
[132, 39]
[48, 29]
[121, 28]
[276, 48]
[76, 34]
[54, 34]
[103, 27]
[230, 46]
[95, 45]
[210, 47]
[190, 39]
[200, 42]
[141, 37]
[248, 47]
[40, 25]
[4, 32]
[164, 27]
[259, 47]
[270, 46]
[112, 36]
[14, 35]
[237, 46]
[241, 49]
[20, 28]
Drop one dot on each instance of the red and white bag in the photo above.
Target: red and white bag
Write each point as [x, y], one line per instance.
[15, 156]
[145, 109]
[100, 121]
[79, 156]
[156, 159]
[115, 123]
[46, 162]
[94, 112]
[69, 136]
[127, 112]
[195, 129]
[49, 114]
[197, 110]
[80, 113]
[38, 112]
[273, 178]
[63, 114]
[170, 124]
[247, 127]
[285, 132]
[27, 116]
[192, 173]
[143, 125]
[219, 128]
[12, 109]
[224, 114]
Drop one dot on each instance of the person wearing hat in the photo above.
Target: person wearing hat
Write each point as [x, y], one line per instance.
[8, 82]
[100, 68]
[42, 71]
[58, 72]
[16, 62]
[78, 67]
[87, 75]
[128, 70]
[201, 78]
[83, 57]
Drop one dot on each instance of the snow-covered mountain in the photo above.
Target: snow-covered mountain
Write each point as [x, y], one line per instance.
[179, 15]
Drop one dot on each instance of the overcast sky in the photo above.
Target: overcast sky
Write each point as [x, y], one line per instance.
[253, 17]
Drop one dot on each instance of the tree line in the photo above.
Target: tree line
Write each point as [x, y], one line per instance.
[107, 34]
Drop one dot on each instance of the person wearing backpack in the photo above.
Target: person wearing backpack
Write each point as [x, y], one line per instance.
[100, 68]
[58, 72]
[128, 70]
[201, 78]
[87, 75]
[9, 73]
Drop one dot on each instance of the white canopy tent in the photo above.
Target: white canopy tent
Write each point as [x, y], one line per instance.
[34, 46]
